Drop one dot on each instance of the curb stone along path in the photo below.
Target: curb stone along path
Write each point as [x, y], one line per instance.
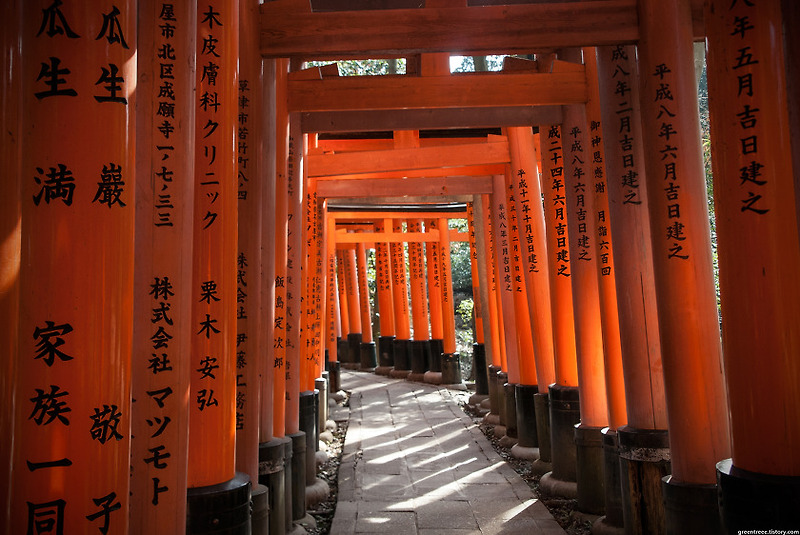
[415, 463]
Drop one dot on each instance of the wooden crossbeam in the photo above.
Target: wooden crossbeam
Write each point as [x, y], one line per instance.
[400, 187]
[509, 28]
[450, 91]
[346, 163]
[375, 216]
[395, 237]
[381, 120]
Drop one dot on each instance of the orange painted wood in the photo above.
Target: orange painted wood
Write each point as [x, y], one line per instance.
[378, 215]
[510, 28]
[448, 305]
[395, 237]
[609, 315]
[341, 276]
[249, 353]
[633, 259]
[268, 236]
[416, 277]
[756, 208]
[10, 233]
[690, 343]
[383, 274]
[400, 286]
[401, 159]
[495, 315]
[435, 172]
[213, 392]
[434, 276]
[363, 294]
[353, 300]
[398, 187]
[279, 335]
[533, 241]
[164, 235]
[583, 252]
[393, 92]
[504, 270]
[71, 440]
[524, 331]
[477, 309]
[558, 256]
[360, 145]
[333, 321]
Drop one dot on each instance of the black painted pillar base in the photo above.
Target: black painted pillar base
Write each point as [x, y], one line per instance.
[527, 446]
[493, 418]
[368, 358]
[222, 509]
[288, 471]
[564, 415]
[589, 469]
[353, 360]
[542, 465]
[298, 489]
[419, 355]
[510, 438]
[612, 521]
[270, 474]
[451, 370]
[479, 367]
[308, 425]
[385, 355]
[500, 428]
[259, 519]
[750, 500]
[436, 351]
[342, 349]
[690, 509]
[644, 460]
[334, 377]
[402, 351]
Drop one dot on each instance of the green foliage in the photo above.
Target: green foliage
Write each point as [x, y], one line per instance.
[365, 67]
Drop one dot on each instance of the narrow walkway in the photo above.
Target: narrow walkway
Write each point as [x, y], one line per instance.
[415, 463]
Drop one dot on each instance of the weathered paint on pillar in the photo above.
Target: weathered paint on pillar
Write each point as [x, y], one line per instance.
[448, 309]
[687, 313]
[363, 293]
[477, 300]
[249, 335]
[758, 243]
[416, 266]
[266, 164]
[213, 321]
[281, 239]
[10, 233]
[165, 142]
[633, 259]
[555, 213]
[533, 238]
[435, 295]
[504, 270]
[294, 287]
[383, 274]
[526, 353]
[609, 315]
[71, 435]
[400, 286]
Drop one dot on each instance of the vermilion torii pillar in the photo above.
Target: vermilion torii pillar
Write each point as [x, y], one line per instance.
[165, 142]
[420, 347]
[753, 115]
[643, 442]
[344, 313]
[211, 472]
[402, 350]
[367, 353]
[354, 334]
[435, 297]
[687, 313]
[533, 240]
[71, 450]
[478, 304]
[383, 274]
[451, 365]
[563, 403]
[334, 327]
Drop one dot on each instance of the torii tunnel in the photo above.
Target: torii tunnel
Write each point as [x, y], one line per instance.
[187, 205]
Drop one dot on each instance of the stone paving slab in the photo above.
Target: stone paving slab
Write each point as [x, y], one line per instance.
[414, 463]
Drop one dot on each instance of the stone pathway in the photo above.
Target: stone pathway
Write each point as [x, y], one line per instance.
[415, 463]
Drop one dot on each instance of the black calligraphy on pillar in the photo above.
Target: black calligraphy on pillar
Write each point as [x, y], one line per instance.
[559, 205]
[624, 131]
[46, 518]
[577, 154]
[598, 171]
[57, 184]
